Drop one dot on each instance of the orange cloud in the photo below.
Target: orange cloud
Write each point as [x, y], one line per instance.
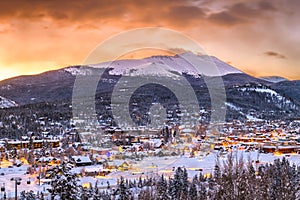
[39, 35]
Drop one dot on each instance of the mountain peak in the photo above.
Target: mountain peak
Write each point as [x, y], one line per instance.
[187, 62]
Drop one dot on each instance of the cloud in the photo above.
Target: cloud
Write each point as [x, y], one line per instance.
[274, 54]
[40, 31]
[265, 5]
[242, 12]
[225, 18]
[177, 13]
[184, 15]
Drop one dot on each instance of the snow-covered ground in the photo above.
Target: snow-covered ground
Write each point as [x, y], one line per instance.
[6, 174]
[249, 117]
[150, 166]
[154, 165]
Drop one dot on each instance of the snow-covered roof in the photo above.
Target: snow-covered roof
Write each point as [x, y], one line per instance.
[47, 159]
[81, 159]
[156, 142]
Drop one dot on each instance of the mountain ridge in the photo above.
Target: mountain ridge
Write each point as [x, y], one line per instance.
[188, 63]
[274, 79]
[56, 86]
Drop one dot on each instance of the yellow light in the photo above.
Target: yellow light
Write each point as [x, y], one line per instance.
[5, 163]
[277, 153]
[86, 185]
[102, 177]
[194, 169]
[120, 149]
[207, 175]
[24, 161]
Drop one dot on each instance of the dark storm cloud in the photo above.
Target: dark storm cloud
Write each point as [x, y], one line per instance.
[274, 54]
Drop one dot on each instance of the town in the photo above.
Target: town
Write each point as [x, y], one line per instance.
[100, 155]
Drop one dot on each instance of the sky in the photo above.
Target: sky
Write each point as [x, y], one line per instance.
[259, 37]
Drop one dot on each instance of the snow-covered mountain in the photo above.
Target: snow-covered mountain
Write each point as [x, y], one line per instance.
[6, 103]
[168, 66]
[246, 95]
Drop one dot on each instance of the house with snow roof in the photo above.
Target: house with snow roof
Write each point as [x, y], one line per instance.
[81, 160]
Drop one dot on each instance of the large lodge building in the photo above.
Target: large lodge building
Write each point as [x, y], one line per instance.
[36, 144]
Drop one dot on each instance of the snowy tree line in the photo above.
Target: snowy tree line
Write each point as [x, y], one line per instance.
[19, 121]
[232, 179]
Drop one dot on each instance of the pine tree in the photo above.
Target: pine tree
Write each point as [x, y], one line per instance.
[227, 188]
[178, 186]
[123, 191]
[202, 193]
[202, 178]
[261, 185]
[185, 185]
[242, 186]
[193, 193]
[217, 173]
[172, 189]
[140, 182]
[64, 182]
[145, 194]
[161, 189]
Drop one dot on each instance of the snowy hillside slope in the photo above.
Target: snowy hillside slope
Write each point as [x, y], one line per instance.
[274, 79]
[6, 103]
[78, 71]
[271, 96]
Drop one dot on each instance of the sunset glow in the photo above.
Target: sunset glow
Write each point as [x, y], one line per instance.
[258, 37]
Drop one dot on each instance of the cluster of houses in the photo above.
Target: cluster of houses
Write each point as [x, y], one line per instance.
[276, 137]
[119, 149]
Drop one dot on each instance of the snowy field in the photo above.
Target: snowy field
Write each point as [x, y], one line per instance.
[151, 166]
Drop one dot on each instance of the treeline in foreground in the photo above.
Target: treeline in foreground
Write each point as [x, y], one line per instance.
[233, 179]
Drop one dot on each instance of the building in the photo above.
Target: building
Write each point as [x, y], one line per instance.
[81, 160]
